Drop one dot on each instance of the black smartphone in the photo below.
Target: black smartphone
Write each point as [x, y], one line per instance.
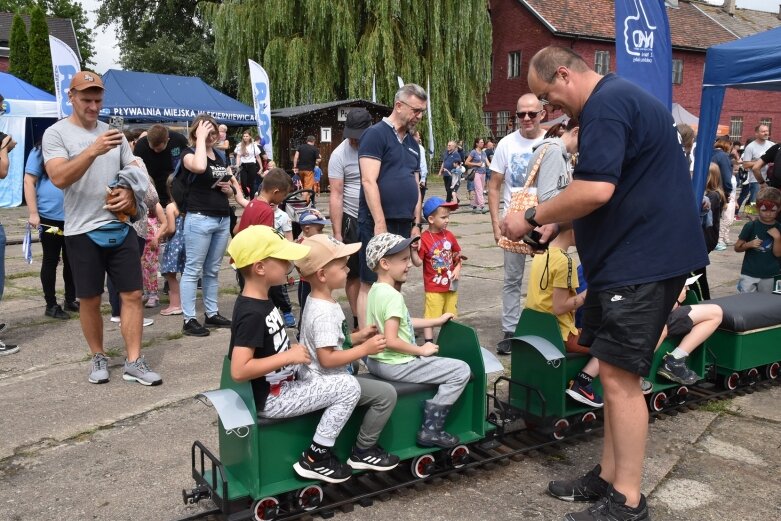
[533, 239]
[224, 178]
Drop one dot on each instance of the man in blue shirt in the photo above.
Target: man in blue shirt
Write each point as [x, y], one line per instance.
[389, 160]
[638, 236]
[449, 156]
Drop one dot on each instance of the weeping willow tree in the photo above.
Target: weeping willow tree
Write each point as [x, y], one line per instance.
[318, 51]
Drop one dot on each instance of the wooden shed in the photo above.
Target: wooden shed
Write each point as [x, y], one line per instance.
[324, 121]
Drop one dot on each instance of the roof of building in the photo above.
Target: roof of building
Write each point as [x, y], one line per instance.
[61, 28]
[596, 20]
[293, 112]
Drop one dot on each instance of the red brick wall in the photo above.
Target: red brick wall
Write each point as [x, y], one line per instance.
[3, 64]
[516, 29]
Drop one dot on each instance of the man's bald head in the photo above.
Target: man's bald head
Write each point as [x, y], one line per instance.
[547, 61]
[528, 100]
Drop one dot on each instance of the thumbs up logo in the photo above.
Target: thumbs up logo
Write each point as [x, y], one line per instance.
[639, 33]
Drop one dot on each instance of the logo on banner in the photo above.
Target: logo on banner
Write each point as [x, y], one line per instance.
[639, 35]
[64, 74]
[264, 122]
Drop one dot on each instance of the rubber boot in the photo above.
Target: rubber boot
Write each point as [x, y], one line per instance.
[431, 433]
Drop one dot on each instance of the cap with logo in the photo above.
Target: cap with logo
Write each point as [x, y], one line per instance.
[256, 243]
[86, 80]
[385, 244]
[322, 250]
[358, 120]
[432, 203]
[312, 216]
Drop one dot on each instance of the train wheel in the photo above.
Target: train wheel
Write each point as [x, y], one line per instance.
[730, 381]
[658, 401]
[422, 466]
[265, 509]
[560, 429]
[682, 394]
[588, 420]
[459, 456]
[309, 498]
[752, 376]
[772, 370]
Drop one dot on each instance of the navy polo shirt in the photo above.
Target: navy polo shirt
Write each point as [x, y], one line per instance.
[399, 165]
[650, 229]
[448, 158]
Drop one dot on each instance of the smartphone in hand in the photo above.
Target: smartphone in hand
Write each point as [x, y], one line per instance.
[116, 123]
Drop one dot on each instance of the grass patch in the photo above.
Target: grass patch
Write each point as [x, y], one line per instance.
[23, 275]
[105, 309]
[112, 352]
[230, 290]
[718, 406]
[174, 336]
[146, 343]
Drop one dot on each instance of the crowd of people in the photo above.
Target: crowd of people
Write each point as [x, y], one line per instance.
[170, 209]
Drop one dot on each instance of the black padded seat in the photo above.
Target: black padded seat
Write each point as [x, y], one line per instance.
[749, 311]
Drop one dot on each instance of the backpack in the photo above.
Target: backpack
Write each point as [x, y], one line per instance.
[773, 176]
[180, 187]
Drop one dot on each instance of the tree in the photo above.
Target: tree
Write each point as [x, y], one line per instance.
[18, 57]
[40, 56]
[318, 51]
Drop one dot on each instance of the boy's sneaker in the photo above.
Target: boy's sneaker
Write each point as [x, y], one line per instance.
[646, 386]
[374, 458]
[585, 488]
[217, 320]
[56, 311]
[327, 469]
[584, 394]
[720, 246]
[290, 320]
[8, 349]
[612, 507]
[675, 369]
[505, 346]
[99, 371]
[140, 372]
[193, 328]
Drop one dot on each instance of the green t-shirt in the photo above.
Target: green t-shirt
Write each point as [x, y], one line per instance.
[385, 302]
[759, 262]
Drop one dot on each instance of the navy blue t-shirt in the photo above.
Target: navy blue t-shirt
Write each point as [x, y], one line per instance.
[448, 158]
[650, 229]
[400, 163]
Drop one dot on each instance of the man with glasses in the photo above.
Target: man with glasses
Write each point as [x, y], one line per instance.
[389, 160]
[637, 244]
[508, 170]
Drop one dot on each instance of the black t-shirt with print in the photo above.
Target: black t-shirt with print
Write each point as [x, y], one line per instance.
[202, 198]
[257, 324]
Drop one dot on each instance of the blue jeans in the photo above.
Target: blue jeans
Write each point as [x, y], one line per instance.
[206, 239]
[2, 261]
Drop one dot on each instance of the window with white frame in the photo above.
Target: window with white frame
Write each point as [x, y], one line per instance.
[502, 118]
[677, 72]
[488, 122]
[602, 62]
[514, 64]
[736, 128]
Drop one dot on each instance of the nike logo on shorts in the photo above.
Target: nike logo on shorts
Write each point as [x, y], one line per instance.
[616, 298]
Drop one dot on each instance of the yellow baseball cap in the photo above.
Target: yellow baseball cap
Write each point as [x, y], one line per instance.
[258, 242]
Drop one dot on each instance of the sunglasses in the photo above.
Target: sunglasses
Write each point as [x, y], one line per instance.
[532, 115]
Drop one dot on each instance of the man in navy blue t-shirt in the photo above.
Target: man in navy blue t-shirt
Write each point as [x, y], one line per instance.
[389, 160]
[638, 236]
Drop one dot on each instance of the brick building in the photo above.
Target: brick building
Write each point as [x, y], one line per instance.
[522, 27]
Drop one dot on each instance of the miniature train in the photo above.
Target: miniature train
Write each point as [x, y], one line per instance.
[253, 476]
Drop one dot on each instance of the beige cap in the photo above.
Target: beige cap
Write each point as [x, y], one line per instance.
[322, 250]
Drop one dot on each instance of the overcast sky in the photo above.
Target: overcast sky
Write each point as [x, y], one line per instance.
[107, 53]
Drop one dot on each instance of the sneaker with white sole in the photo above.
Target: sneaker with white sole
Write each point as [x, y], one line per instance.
[589, 487]
[8, 349]
[98, 373]
[374, 458]
[146, 323]
[327, 469]
[140, 372]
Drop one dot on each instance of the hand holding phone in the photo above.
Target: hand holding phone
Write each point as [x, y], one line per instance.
[533, 239]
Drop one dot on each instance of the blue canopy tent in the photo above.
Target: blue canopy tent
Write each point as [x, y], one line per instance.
[753, 63]
[141, 96]
[28, 112]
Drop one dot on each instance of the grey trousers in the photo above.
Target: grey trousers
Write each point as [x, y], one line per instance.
[514, 264]
[381, 399]
[452, 375]
[337, 394]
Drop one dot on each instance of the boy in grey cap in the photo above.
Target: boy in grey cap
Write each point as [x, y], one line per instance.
[402, 360]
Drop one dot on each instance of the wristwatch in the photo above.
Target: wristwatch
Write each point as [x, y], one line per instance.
[529, 216]
[419, 225]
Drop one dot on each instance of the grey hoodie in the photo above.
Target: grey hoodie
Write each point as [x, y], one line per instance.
[554, 174]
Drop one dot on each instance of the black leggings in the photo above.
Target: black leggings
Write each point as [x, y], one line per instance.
[52, 244]
[249, 179]
[448, 181]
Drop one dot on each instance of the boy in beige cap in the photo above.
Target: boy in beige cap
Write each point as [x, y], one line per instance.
[260, 351]
[324, 332]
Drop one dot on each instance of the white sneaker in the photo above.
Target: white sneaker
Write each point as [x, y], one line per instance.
[147, 321]
[115, 320]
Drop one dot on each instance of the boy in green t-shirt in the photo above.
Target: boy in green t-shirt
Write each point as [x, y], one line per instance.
[759, 239]
[402, 360]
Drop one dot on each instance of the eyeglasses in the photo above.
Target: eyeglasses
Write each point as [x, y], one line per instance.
[532, 115]
[417, 112]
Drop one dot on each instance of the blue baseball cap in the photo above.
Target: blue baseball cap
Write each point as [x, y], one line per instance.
[312, 216]
[431, 205]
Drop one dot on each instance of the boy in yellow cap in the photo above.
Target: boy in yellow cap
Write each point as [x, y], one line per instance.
[261, 352]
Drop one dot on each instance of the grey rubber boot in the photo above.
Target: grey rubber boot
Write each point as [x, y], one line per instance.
[431, 433]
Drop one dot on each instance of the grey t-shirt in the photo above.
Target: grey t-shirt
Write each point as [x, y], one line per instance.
[343, 164]
[322, 326]
[84, 199]
[554, 173]
[754, 151]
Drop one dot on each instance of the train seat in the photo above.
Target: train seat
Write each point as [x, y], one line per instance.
[749, 311]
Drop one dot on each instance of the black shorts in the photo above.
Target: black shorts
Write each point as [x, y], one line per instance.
[401, 227]
[622, 326]
[351, 235]
[679, 323]
[90, 263]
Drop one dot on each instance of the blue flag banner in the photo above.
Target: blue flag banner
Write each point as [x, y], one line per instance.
[644, 48]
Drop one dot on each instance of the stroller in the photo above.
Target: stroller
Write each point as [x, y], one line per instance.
[294, 204]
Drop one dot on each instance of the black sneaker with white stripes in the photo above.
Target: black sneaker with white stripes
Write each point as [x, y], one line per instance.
[374, 458]
[327, 469]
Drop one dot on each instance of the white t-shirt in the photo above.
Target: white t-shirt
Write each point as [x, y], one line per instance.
[343, 164]
[753, 152]
[282, 221]
[248, 156]
[511, 159]
[322, 325]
